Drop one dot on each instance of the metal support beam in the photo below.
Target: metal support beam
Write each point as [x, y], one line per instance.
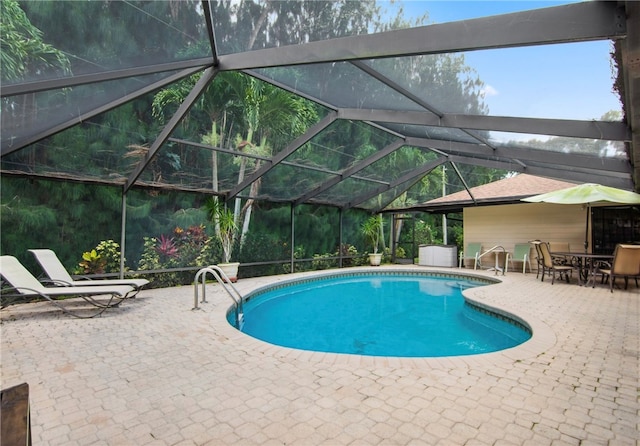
[602, 130]
[123, 233]
[351, 171]
[464, 183]
[416, 174]
[403, 91]
[208, 18]
[560, 173]
[289, 88]
[395, 86]
[560, 24]
[264, 158]
[17, 145]
[207, 76]
[293, 237]
[340, 231]
[523, 156]
[284, 153]
[419, 175]
[84, 79]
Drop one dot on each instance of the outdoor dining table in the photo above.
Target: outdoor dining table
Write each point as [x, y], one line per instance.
[585, 262]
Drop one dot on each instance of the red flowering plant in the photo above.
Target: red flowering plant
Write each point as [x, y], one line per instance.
[166, 248]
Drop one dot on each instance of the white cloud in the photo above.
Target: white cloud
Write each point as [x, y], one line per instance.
[488, 90]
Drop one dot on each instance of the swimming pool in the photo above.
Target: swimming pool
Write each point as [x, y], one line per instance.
[395, 314]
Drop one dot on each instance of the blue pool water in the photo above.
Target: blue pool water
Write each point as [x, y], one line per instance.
[379, 315]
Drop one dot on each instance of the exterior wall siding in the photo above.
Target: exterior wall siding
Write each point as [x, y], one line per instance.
[506, 225]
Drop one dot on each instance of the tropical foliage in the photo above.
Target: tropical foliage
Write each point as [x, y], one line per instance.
[23, 52]
[245, 119]
[92, 263]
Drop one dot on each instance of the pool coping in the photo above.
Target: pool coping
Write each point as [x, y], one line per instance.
[542, 336]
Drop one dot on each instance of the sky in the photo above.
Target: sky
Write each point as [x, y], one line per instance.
[562, 81]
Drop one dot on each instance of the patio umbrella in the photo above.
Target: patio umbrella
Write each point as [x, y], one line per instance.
[587, 194]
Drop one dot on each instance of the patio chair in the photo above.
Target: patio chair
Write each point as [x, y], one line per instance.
[625, 263]
[53, 267]
[472, 251]
[26, 285]
[522, 253]
[551, 267]
[560, 247]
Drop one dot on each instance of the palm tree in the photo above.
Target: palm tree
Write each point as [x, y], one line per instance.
[246, 115]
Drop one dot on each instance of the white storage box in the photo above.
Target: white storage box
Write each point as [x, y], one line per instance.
[438, 255]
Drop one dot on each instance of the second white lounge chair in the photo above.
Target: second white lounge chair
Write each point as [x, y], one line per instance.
[53, 267]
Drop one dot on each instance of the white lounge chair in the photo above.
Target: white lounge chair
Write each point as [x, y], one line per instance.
[24, 283]
[53, 267]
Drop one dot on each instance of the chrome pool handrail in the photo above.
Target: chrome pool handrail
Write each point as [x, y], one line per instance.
[223, 280]
[497, 268]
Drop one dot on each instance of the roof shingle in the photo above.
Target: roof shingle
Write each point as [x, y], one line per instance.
[505, 191]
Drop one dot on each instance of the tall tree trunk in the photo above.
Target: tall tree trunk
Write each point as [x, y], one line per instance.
[243, 166]
[248, 207]
[258, 26]
[247, 219]
[397, 231]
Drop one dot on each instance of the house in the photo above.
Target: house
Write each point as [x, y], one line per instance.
[494, 215]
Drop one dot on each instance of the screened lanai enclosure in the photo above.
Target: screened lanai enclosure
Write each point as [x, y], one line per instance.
[125, 123]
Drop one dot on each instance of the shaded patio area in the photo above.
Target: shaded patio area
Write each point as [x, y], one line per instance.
[155, 372]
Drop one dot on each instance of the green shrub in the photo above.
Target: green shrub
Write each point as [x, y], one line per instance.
[110, 252]
[324, 261]
[104, 258]
[211, 253]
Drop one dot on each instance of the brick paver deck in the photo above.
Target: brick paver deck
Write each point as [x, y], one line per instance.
[155, 372]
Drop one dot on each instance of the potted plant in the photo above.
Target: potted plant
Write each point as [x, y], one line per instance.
[226, 229]
[372, 229]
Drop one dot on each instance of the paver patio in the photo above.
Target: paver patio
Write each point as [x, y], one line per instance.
[155, 372]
